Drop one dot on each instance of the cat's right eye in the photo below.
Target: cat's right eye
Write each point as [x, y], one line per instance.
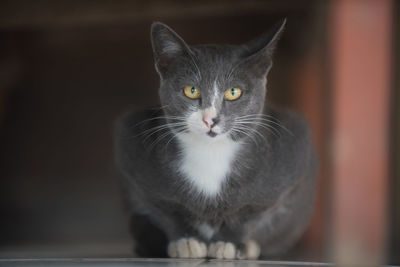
[191, 92]
[233, 93]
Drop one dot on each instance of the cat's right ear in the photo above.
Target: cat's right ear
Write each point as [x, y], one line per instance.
[168, 46]
[258, 52]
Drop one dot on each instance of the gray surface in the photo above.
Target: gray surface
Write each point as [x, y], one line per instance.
[147, 263]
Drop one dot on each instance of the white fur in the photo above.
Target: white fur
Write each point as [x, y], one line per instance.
[222, 250]
[216, 94]
[227, 250]
[170, 47]
[251, 251]
[205, 161]
[187, 248]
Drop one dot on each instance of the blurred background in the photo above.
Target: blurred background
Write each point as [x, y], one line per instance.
[68, 69]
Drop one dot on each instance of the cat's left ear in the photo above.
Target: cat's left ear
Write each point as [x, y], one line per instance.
[168, 47]
[258, 52]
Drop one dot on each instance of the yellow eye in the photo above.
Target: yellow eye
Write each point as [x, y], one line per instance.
[233, 93]
[191, 92]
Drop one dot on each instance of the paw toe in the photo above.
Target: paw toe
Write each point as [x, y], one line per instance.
[253, 250]
[229, 251]
[222, 250]
[182, 248]
[197, 249]
[248, 251]
[172, 250]
[187, 248]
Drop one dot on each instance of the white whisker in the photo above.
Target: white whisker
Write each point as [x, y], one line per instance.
[242, 131]
[262, 118]
[245, 127]
[157, 129]
[266, 126]
[158, 139]
[180, 118]
[192, 57]
[174, 136]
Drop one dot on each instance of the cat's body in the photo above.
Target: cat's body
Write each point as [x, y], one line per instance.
[210, 189]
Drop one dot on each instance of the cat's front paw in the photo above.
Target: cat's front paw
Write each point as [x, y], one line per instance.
[248, 251]
[222, 250]
[187, 248]
[227, 250]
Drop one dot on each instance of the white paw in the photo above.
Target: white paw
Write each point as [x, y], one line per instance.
[187, 248]
[251, 251]
[222, 250]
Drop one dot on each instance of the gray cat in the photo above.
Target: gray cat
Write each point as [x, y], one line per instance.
[215, 172]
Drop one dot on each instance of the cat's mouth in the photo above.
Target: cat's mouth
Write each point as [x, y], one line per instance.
[211, 133]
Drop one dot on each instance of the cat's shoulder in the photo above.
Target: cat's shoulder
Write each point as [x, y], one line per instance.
[293, 149]
[295, 136]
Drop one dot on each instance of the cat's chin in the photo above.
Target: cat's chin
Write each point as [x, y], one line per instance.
[209, 136]
[212, 134]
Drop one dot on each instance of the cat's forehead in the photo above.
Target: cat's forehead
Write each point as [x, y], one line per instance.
[214, 60]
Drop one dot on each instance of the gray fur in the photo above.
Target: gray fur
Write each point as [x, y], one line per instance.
[269, 194]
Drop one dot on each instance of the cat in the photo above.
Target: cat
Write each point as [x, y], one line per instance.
[215, 172]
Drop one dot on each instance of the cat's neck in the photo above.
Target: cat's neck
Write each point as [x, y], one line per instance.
[206, 163]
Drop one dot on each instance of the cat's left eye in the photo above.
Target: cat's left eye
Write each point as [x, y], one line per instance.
[233, 93]
[191, 92]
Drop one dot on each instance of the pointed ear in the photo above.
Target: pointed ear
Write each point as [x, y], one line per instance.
[167, 46]
[258, 52]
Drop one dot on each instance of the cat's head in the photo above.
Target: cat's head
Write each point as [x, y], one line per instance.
[212, 91]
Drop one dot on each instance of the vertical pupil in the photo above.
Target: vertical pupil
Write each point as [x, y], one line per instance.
[232, 91]
[193, 90]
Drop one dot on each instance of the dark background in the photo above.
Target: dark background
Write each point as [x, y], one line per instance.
[68, 69]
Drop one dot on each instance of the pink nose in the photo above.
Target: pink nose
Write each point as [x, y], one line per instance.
[208, 121]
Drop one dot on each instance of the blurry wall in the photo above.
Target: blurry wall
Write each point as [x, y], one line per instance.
[394, 200]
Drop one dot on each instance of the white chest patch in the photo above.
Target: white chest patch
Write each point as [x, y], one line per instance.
[206, 163]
